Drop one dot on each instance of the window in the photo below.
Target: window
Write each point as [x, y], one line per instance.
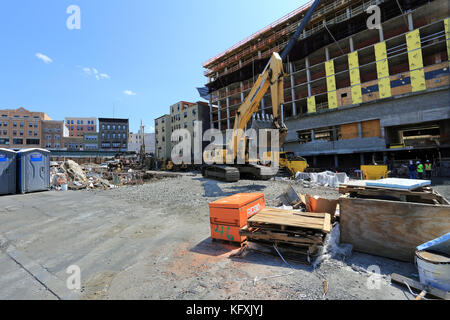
[35, 133]
[194, 112]
[21, 124]
[114, 127]
[14, 124]
[14, 132]
[57, 136]
[4, 141]
[124, 136]
[103, 127]
[5, 124]
[185, 114]
[5, 132]
[185, 125]
[57, 145]
[30, 124]
[33, 141]
[35, 124]
[109, 127]
[17, 141]
[21, 132]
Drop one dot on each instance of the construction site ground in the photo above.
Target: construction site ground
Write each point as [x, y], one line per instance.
[152, 241]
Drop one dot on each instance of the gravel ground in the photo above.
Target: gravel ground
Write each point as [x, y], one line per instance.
[153, 242]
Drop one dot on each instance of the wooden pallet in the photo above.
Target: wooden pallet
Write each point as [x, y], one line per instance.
[290, 252]
[280, 236]
[285, 220]
[420, 195]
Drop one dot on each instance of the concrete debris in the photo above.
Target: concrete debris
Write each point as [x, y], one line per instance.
[326, 179]
[333, 249]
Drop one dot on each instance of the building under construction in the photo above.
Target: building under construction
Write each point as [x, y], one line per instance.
[352, 95]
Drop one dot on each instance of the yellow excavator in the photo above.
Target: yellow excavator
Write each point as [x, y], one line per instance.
[219, 160]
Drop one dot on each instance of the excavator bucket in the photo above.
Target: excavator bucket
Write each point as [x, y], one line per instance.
[268, 122]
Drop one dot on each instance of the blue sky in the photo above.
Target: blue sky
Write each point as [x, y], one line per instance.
[133, 57]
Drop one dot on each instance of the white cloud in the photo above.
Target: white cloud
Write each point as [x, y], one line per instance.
[44, 58]
[129, 93]
[94, 72]
[87, 71]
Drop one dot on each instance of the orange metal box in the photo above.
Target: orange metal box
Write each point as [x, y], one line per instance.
[235, 210]
[229, 233]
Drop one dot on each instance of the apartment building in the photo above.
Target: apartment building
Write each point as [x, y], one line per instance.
[74, 143]
[162, 137]
[53, 132]
[113, 134]
[184, 115]
[21, 128]
[78, 126]
[135, 142]
[352, 94]
[91, 141]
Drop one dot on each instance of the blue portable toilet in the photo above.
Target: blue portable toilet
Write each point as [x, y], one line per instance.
[33, 170]
[7, 171]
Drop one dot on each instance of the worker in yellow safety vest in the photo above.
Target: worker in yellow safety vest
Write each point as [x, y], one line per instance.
[428, 169]
[419, 170]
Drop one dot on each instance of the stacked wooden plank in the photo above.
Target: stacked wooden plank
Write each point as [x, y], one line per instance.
[419, 195]
[291, 231]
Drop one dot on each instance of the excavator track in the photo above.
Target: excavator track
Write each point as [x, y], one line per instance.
[256, 172]
[221, 172]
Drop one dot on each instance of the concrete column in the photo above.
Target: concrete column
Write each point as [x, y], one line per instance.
[308, 76]
[380, 31]
[360, 130]
[313, 135]
[210, 108]
[352, 47]
[410, 22]
[259, 54]
[291, 70]
[228, 108]
[361, 157]
[242, 91]
[218, 114]
[327, 53]
[315, 161]
[336, 161]
[349, 14]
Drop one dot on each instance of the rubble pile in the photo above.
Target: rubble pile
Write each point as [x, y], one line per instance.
[72, 176]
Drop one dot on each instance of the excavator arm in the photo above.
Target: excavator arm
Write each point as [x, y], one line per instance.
[272, 77]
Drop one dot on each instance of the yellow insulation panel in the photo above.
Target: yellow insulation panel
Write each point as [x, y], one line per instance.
[311, 104]
[384, 82]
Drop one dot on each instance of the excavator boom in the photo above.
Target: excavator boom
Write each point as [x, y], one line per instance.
[272, 76]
